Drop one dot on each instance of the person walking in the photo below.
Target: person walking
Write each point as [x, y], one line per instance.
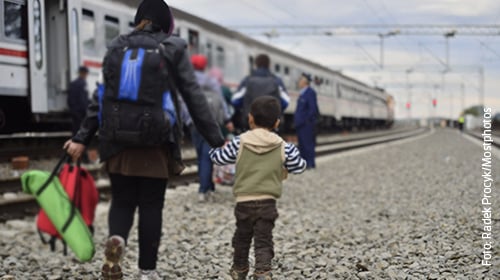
[263, 160]
[218, 75]
[261, 82]
[305, 117]
[461, 121]
[212, 90]
[137, 124]
[78, 98]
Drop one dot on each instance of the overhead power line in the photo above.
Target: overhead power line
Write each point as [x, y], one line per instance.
[371, 29]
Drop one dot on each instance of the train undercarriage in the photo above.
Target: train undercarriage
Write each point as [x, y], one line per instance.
[328, 124]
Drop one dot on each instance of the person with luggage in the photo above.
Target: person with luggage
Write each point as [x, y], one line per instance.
[305, 117]
[261, 82]
[263, 159]
[212, 90]
[138, 128]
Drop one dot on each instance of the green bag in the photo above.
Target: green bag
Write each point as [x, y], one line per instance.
[63, 214]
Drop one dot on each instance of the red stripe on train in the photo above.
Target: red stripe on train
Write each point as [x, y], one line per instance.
[94, 64]
[11, 52]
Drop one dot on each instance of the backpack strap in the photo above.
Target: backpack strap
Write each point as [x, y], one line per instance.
[65, 247]
[44, 241]
[52, 242]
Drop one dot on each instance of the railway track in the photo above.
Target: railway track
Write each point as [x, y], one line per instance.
[37, 145]
[32, 144]
[477, 135]
[25, 205]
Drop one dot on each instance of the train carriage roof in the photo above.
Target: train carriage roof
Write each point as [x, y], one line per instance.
[250, 41]
[247, 40]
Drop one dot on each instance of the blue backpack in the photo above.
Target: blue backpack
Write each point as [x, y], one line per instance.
[137, 107]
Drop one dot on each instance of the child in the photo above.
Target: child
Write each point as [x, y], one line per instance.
[262, 161]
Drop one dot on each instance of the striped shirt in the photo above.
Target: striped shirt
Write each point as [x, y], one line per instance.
[229, 153]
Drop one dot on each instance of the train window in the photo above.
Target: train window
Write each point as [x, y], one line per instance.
[250, 63]
[286, 70]
[277, 68]
[131, 26]
[194, 43]
[317, 81]
[88, 32]
[210, 59]
[112, 27]
[74, 38]
[15, 21]
[221, 57]
[37, 28]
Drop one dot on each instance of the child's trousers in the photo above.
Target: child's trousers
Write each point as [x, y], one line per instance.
[254, 219]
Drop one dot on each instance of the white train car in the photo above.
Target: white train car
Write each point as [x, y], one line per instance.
[43, 42]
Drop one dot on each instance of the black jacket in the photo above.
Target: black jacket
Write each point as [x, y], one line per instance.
[78, 100]
[187, 86]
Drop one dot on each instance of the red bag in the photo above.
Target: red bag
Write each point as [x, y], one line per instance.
[81, 189]
[224, 175]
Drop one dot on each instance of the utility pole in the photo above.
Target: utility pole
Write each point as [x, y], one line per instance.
[408, 89]
[382, 36]
[434, 103]
[443, 81]
[447, 36]
[462, 87]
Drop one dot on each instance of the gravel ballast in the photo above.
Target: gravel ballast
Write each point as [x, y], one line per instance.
[402, 211]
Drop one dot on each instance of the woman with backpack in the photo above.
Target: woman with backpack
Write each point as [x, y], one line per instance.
[137, 124]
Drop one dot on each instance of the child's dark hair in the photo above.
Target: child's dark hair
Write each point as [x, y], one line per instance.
[266, 110]
[262, 61]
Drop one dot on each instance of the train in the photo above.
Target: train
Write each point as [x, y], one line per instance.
[43, 42]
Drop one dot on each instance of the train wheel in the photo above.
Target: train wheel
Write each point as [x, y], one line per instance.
[3, 120]
[14, 114]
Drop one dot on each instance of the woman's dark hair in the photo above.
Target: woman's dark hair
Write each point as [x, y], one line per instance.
[262, 61]
[266, 110]
[158, 12]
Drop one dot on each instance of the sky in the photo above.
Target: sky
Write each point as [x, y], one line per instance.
[413, 64]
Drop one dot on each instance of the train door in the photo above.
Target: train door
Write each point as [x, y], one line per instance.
[37, 55]
[63, 49]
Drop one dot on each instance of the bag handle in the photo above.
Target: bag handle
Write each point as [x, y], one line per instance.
[64, 158]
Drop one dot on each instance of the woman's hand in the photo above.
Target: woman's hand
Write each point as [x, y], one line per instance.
[73, 149]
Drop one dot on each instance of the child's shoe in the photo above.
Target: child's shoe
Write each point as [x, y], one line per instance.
[263, 276]
[202, 197]
[238, 274]
[114, 251]
[149, 275]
